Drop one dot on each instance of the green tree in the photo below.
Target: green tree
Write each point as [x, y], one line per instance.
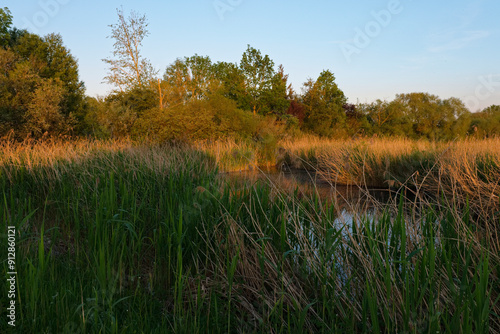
[461, 127]
[5, 24]
[232, 83]
[138, 99]
[52, 60]
[175, 83]
[129, 69]
[276, 99]
[323, 102]
[189, 78]
[210, 118]
[357, 123]
[430, 116]
[201, 77]
[491, 111]
[259, 73]
[422, 111]
[386, 118]
[17, 82]
[91, 124]
[485, 123]
[40, 90]
[43, 112]
[454, 119]
[29, 103]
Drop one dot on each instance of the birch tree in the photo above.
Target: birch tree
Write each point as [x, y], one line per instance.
[128, 69]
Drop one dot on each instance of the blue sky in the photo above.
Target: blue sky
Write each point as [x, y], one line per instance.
[376, 49]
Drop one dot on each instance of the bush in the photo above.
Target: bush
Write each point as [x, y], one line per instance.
[215, 117]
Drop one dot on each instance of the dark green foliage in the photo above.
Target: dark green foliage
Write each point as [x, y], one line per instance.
[486, 123]
[137, 99]
[418, 115]
[275, 100]
[386, 119]
[323, 102]
[40, 92]
[233, 85]
[53, 61]
[5, 24]
[259, 72]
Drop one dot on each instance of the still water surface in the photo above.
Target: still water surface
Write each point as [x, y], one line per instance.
[350, 201]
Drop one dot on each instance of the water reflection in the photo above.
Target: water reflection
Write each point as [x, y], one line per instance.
[349, 201]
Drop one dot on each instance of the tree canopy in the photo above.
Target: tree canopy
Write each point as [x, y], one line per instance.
[323, 102]
[40, 90]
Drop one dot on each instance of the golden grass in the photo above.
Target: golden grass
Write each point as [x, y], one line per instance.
[229, 154]
[467, 168]
[462, 170]
[31, 153]
[463, 174]
[53, 157]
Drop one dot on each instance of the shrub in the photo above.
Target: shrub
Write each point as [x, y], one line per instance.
[215, 117]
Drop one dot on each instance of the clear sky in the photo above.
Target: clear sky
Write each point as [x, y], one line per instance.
[376, 49]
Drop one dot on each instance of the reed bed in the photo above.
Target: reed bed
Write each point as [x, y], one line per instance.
[239, 155]
[150, 239]
[463, 171]
[47, 153]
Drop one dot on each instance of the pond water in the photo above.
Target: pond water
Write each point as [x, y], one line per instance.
[349, 201]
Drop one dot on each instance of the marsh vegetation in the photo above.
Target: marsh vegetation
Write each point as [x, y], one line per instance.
[119, 236]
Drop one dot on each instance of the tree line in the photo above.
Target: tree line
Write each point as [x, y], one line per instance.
[196, 98]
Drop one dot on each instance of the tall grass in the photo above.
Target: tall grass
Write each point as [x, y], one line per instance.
[463, 174]
[465, 171]
[237, 155]
[117, 237]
